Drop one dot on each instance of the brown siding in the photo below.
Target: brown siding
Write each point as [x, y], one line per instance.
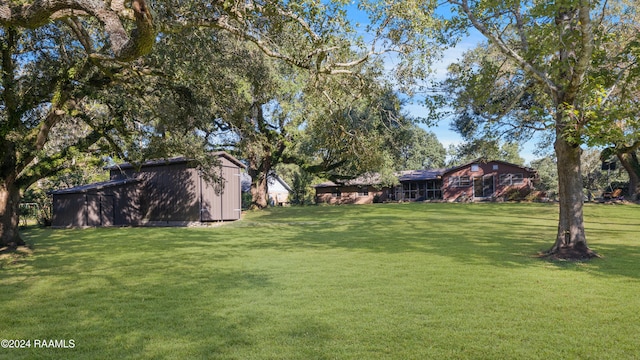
[485, 182]
[68, 210]
[127, 205]
[103, 207]
[349, 195]
[171, 193]
[222, 202]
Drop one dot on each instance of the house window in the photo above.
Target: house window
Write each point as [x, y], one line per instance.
[475, 167]
[495, 166]
[517, 179]
[460, 181]
[364, 191]
[336, 193]
[511, 179]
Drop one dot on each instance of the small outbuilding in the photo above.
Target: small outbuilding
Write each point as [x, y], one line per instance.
[159, 192]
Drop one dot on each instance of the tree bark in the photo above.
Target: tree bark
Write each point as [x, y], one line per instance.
[571, 241]
[125, 46]
[629, 161]
[9, 215]
[259, 168]
[259, 190]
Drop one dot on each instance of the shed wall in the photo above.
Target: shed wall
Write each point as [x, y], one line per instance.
[116, 205]
[68, 210]
[222, 201]
[169, 194]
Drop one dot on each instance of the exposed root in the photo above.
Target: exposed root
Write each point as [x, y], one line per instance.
[570, 253]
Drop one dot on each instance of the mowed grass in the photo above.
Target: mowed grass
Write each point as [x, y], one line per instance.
[394, 281]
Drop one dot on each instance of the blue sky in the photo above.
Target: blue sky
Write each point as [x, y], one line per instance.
[442, 130]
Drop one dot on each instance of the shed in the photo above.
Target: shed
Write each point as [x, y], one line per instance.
[158, 192]
[114, 202]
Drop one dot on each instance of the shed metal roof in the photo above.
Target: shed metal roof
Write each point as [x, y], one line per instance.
[176, 160]
[95, 186]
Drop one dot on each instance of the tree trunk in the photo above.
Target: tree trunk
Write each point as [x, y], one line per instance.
[571, 242]
[259, 169]
[9, 215]
[629, 161]
[259, 192]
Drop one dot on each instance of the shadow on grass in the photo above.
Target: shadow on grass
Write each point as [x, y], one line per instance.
[152, 290]
[467, 233]
[159, 291]
[507, 235]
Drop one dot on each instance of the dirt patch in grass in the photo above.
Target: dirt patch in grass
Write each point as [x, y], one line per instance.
[13, 255]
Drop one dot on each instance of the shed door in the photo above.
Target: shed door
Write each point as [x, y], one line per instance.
[107, 210]
[211, 202]
[99, 210]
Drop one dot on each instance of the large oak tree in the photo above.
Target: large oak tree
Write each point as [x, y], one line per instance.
[545, 72]
[50, 63]
[66, 61]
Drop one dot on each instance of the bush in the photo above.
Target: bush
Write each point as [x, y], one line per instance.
[517, 194]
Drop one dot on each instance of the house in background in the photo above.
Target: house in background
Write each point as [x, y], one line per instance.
[365, 189]
[160, 192]
[419, 185]
[488, 180]
[475, 181]
[278, 190]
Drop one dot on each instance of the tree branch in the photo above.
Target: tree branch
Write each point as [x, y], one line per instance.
[49, 165]
[584, 59]
[536, 73]
[125, 47]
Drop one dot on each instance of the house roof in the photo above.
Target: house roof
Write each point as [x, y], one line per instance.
[95, 186]
[273, 178]
[413, 175]
[363, 180]
[484, 161]
[418, 175]
[175, 160]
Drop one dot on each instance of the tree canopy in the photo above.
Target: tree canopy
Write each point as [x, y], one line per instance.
[86, 62]
[544, 68]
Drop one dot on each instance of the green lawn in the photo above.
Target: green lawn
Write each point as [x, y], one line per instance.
[396, 281]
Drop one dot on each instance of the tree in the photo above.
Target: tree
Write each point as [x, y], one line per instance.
[287, 57]
[268, 108]
[416, 148]
[485, 149]
[548, 52]
[50, 67]
[548, 176]
[75, 60]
